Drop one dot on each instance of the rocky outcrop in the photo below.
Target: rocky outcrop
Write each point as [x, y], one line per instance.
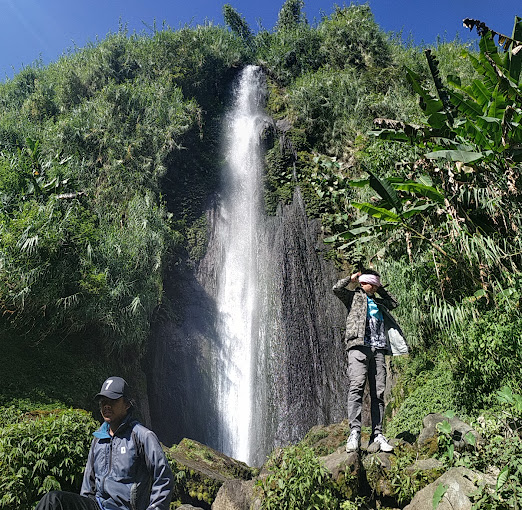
[201, 472]
[457, 484]
[237, 495]
[300, 371]
[463, 435]
[346, 470]
[208, 479]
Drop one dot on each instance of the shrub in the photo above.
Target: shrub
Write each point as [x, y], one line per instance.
[42, 451]
[297, 481]
[503, 452]
[422, 389]
[489, 356]
[350, 37]
[287, 54]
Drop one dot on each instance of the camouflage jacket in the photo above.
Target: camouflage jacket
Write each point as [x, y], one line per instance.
[354, 298]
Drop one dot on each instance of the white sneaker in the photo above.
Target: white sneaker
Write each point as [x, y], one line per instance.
[383, 443]
[354, 441]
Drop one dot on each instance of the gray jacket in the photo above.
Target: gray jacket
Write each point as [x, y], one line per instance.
[128, 470]
[354, 298]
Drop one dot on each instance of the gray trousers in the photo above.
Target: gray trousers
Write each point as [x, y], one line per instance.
[366, 362]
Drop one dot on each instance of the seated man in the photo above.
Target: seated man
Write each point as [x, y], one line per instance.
[126, 468]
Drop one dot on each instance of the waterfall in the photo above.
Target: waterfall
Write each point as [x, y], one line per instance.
[251, 356]
[237, 233]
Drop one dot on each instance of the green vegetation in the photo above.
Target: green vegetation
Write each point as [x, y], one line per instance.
[297, 479]
[41, 451]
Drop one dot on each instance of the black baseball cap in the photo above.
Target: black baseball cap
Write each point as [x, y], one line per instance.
[114, 388]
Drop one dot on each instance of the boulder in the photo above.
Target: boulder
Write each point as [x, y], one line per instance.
[345, 469]
[237, 495]
[460, 432]
[377, 466]
[326, 439]
[188, 507]
[200, 471]
[459, 482]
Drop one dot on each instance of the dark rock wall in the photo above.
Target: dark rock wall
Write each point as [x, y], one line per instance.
[307, 370]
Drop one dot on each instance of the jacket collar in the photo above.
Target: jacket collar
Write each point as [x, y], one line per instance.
[103, 431]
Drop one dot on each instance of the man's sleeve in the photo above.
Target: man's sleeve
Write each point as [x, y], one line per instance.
[343, 289]
[162, 479]
[89, 483]
[387, 299]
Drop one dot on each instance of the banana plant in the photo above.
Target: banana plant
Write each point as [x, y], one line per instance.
[394, 210]
[472, 135]
[481, 122]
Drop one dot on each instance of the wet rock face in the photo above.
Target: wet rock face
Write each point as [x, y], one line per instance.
[300, 377]
[308, 370]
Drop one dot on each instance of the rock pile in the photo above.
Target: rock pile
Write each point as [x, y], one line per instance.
[208, 480]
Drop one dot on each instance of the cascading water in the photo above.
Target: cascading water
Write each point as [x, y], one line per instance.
[236, 231]
[251, 358]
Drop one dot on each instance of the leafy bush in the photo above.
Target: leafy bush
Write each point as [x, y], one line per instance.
[351, 38]
[503, 451]
[423, 388]
[42, 451]
[289, 53]
[404, 482]
[489, 356]
[297, 481]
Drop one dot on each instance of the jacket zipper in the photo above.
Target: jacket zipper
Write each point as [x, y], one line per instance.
[110, 465]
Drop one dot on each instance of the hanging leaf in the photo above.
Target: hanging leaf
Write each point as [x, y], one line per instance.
[421, 189]
[438, 120]
[361, 220]
[386, 191]
[456, 155]
[416, 210]
[425, 179]
[429, 104]
[377, 212]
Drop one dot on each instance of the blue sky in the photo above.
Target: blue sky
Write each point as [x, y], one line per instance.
[34, 29]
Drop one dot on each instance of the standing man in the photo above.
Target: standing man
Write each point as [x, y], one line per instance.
[366, 339]
[126, 468]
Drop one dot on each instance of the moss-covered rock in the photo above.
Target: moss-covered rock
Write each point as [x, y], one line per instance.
[326, 439]
[199, 471]
[346, 470]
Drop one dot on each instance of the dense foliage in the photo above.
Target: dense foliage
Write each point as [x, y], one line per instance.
[41, 451]
[296, 479]
[85, 230]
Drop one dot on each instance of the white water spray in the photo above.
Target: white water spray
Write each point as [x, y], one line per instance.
[237, 286]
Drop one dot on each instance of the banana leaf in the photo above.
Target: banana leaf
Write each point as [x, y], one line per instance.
[416, 210]
[385, 190]
[377, 212]
[421, 189]
[456, 155]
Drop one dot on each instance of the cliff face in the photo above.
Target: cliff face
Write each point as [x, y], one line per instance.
[299, 373]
